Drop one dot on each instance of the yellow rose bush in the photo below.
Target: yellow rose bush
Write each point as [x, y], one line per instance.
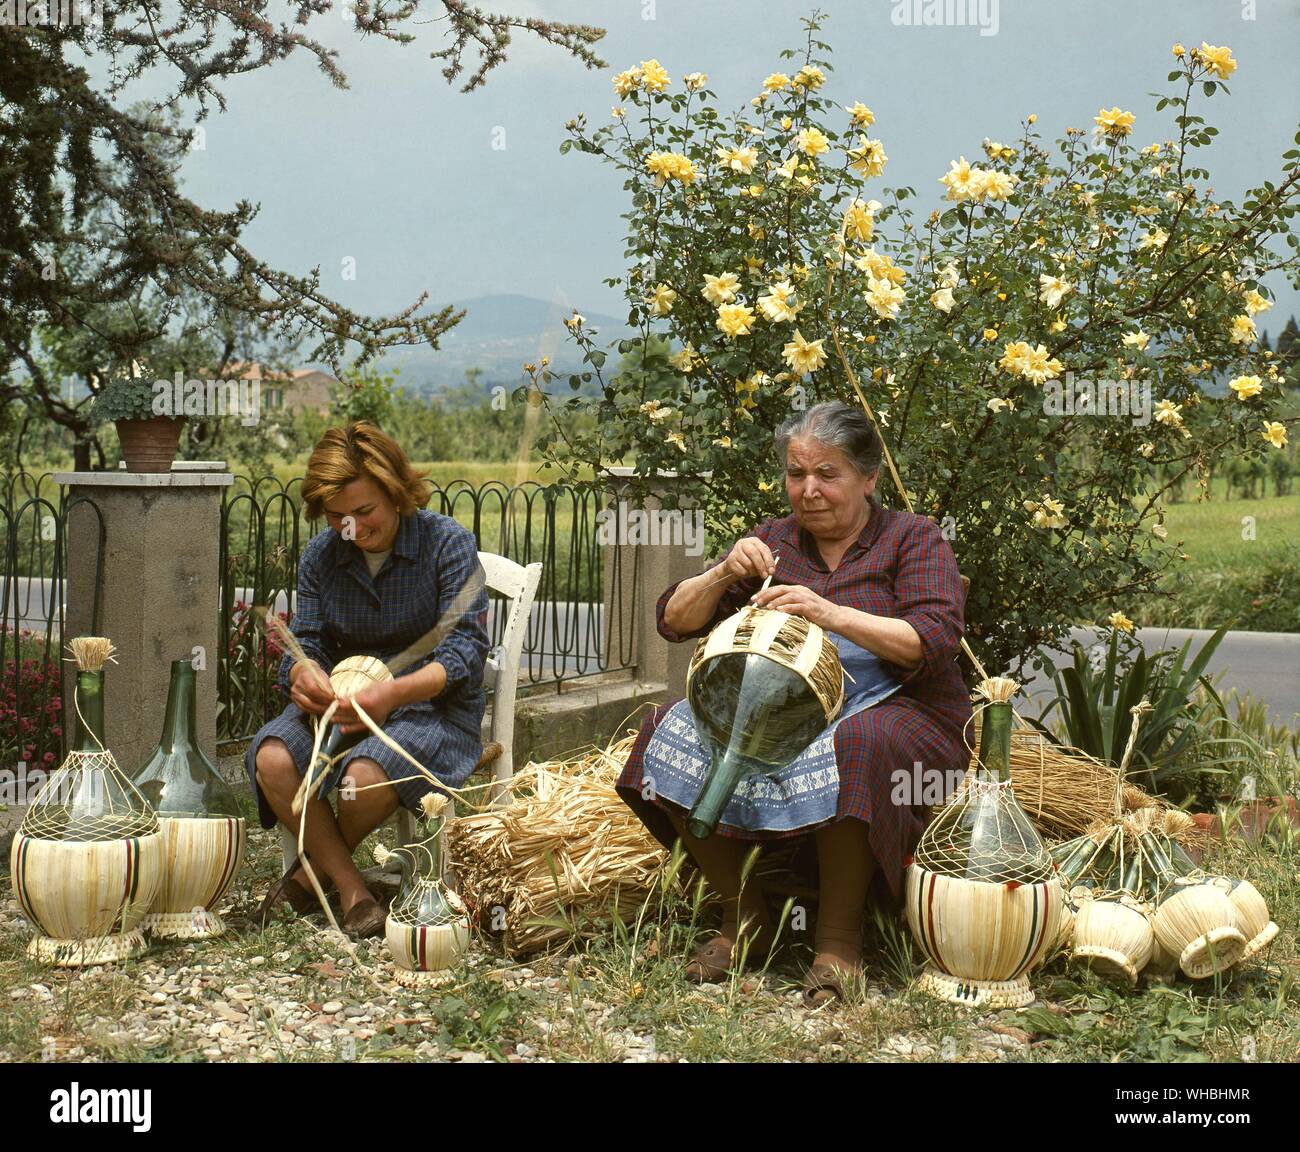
[767, 258]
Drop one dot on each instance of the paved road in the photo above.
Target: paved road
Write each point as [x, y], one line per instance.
[1265, 664]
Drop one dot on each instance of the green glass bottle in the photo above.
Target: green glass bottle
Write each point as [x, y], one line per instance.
[178, 779]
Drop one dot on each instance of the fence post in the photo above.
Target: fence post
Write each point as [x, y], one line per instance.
[160, 594]
[646, 548]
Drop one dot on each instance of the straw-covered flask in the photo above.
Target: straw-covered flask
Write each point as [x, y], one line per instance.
[86, 863]
[983, 898]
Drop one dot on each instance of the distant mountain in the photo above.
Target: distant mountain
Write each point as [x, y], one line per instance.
[499, 334]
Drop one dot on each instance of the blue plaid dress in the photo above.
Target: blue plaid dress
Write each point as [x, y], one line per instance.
[342, 611]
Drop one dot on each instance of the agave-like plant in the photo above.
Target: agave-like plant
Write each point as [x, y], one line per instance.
[1095, 708]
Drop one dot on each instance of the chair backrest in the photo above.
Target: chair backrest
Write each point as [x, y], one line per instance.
[518, 585]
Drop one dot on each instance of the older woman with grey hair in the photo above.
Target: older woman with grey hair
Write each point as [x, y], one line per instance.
[884, 584]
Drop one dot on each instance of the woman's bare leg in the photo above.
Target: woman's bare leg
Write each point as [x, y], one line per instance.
[845, 866]
[278, 778]
[722, 861]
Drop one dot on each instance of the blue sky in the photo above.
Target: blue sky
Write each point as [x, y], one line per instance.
[400, 172]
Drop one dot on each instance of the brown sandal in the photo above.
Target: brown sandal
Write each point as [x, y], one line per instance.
[287, 890]
[710, 963]
[365, 919]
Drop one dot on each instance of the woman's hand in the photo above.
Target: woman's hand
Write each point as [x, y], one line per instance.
[377, 701]
[749, 557]
[798, 601]
[309, 687]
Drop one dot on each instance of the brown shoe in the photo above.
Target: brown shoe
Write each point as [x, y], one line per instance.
[365, 919]
[287, 890]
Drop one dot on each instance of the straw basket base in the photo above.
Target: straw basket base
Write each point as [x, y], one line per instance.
[201, 925]
[976, 993]
[91, 950]
[1106, 962]
[1220, 948]
[417, 978]
[1258, 943]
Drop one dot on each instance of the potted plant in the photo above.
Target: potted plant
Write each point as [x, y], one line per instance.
[148, 437]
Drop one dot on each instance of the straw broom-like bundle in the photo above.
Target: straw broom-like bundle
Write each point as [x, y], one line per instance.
[1196, 922]
[1113, 936]
[87, 860]
[567, 850]
[1252, 916]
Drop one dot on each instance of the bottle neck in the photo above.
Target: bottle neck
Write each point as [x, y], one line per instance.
[178, 719]
[995, 740]
[89, 711]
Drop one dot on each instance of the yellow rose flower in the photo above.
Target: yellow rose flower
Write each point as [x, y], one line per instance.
[695, 81]
[661, 303]
[654, 76]
[676, 438]
[861, 115]
[943, 300]
[803, 356]
[1036, 365]
[1119, 622]
[723, 442]
[1178, 50]
[993, 185]
[1051, 289]
[779, 304]
[627, 82]
[735, 320]
[1243, 330]
[859, 220]
[961, 180]
[686, 360]
[1255, 303]
[812, 142]
[1138, 340]
[776, 82]
[1246, 386]
[1274, 433]
[721, 289]
[739, 160]
[991, 334]
[665, 166]
[1167, 412]
[1013, 355]
[765, 486]
[1217, 60]
[884, 297]
[1114, 122]
[656, 411]
[868, 158]
[810, 77]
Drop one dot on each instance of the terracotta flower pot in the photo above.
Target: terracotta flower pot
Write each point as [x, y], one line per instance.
[149, 445]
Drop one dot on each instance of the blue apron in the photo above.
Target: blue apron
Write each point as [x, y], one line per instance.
[802, 794]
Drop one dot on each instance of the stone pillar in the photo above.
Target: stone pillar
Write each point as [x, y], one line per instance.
[159, 592]
[652, 548]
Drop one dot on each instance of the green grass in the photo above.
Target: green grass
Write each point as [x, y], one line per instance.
[1256, 581]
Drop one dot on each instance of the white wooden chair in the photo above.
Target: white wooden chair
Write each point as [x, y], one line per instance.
[518, 586]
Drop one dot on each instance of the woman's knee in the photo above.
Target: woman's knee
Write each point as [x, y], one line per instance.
[360, 783]
[275, 768]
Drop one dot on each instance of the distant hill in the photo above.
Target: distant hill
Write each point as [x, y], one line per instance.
[499, 334]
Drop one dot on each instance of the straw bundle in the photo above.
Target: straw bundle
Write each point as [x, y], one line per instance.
[1063, 790]
[565, 851]
[201, 858]
[1113, 936]
[981, 938]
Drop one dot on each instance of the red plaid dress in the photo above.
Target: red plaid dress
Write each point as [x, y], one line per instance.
[901, 567]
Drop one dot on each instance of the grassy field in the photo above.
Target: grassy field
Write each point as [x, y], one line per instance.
[1228, 574]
